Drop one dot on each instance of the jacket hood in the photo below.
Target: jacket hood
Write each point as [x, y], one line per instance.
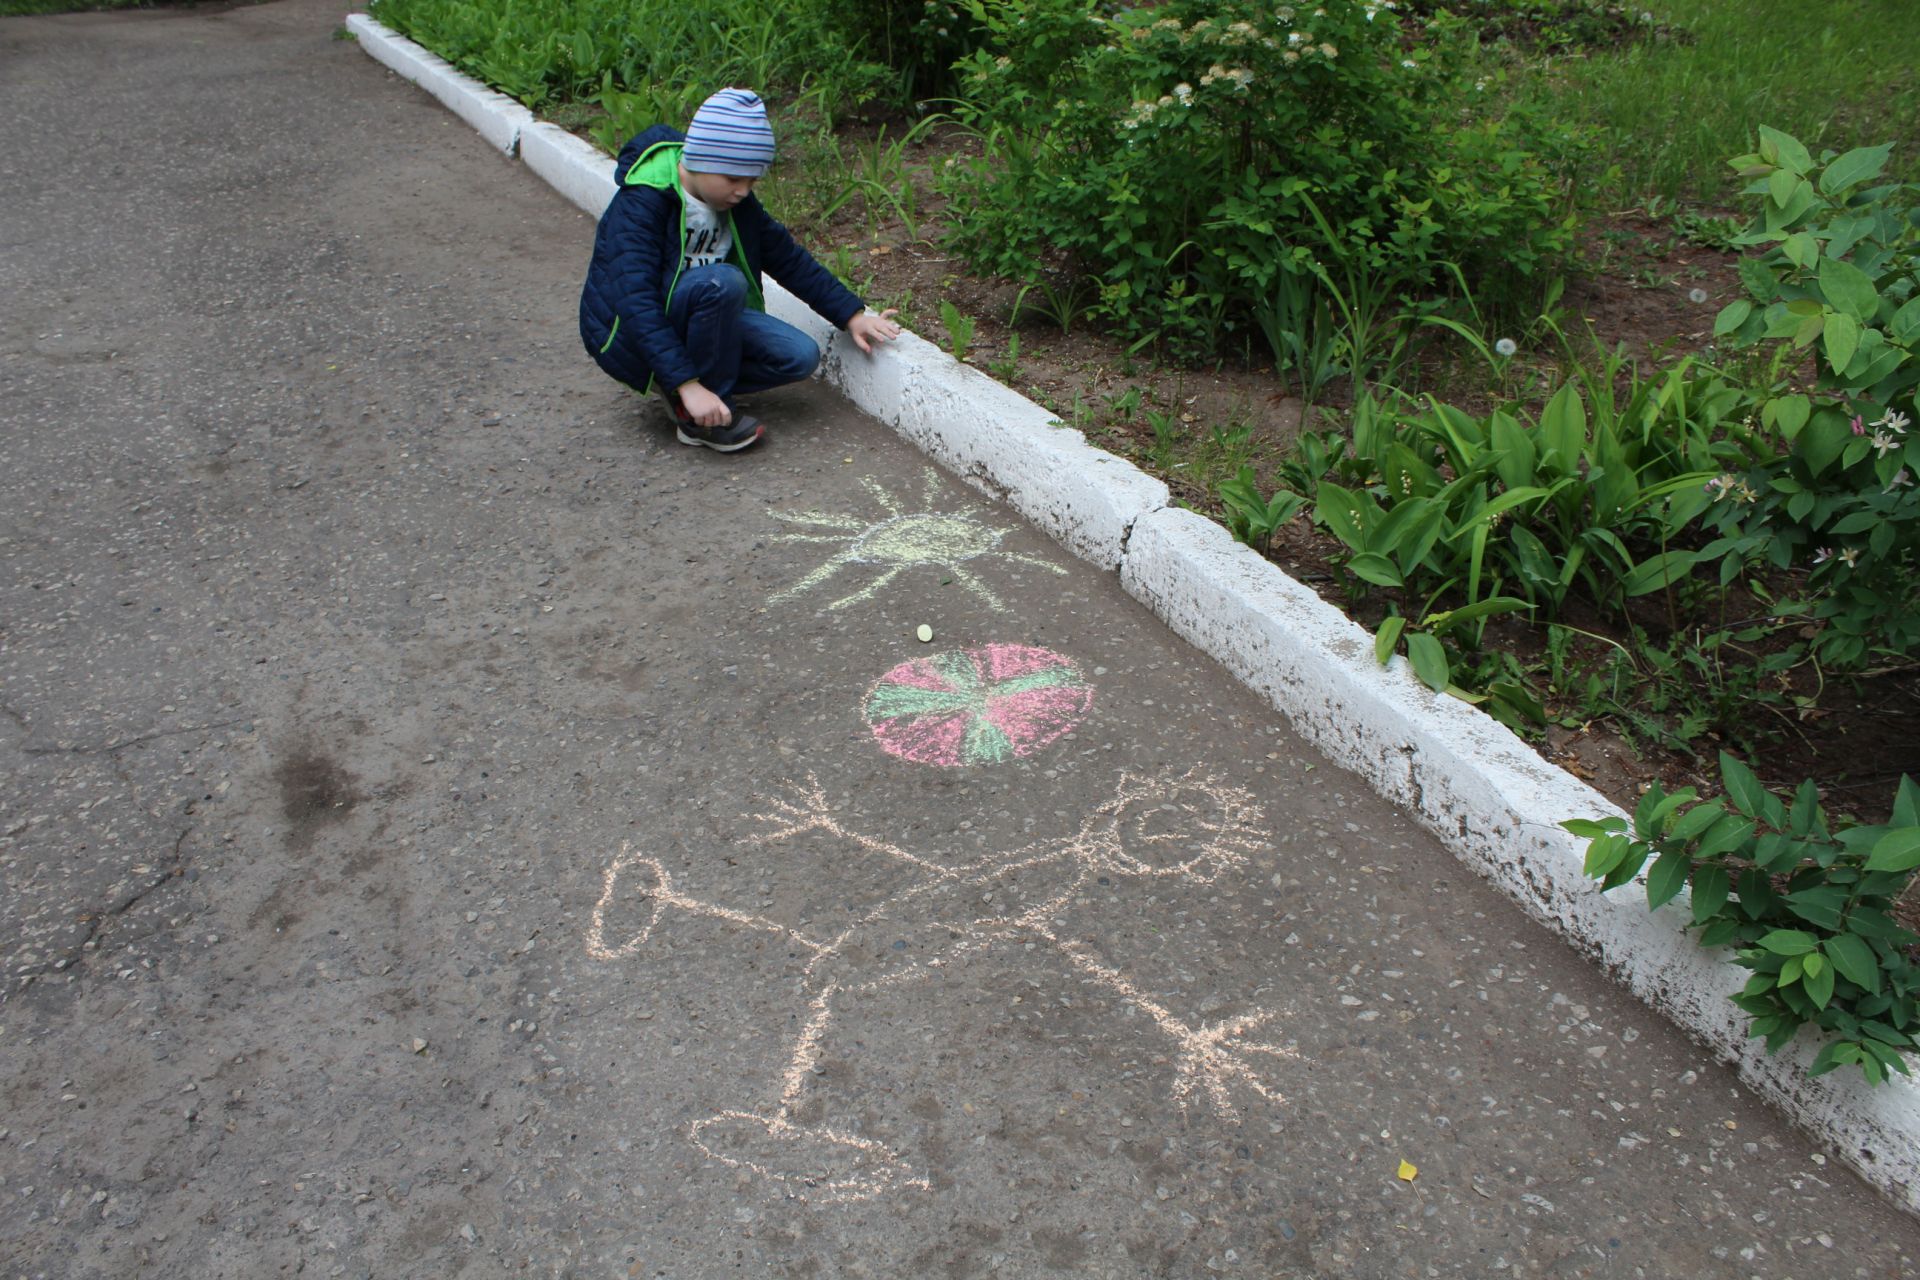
[650, 158]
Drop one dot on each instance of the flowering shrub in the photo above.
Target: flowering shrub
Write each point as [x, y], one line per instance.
[1837, 499]
[1197, 155]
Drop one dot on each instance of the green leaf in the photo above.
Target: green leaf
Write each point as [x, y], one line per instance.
[1856, 166]
[1720, 932]
[1376, 568]
[1841, 337]
[1898, 850]
[1824, 440]
[1789, 942]
[1487, 608]
[1849, 289]
[1790, 413]
[1589, 828]
[1339, 510]
[1836, 1053]
[1790, 154]
[1817, 982]
[1731, 317]
[1695, 820]
[1710, 885]
[1658, 572]
[1668, 877]
[1782, 214]
[1748, 796]
[1780, 185]
[1605, 853]
[1563, 423]
[1906, 803]
[1802, 250]
[1387, 637]
[1729, 833]
[1819, 907]
[1759, 280]
[1429, 660]
[1516, 455]
[1905, 325]
[1855, 961]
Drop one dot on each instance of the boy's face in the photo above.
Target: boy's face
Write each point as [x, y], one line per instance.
[717, 190]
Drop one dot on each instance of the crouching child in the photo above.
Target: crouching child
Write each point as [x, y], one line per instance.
[673, 297]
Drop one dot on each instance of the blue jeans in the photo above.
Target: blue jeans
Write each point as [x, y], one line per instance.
[735, 348]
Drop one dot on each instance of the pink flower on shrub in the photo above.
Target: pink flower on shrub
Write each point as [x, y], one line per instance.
[1859, 425]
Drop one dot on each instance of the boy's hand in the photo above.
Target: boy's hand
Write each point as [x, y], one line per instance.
[867, 328]
[704, 407]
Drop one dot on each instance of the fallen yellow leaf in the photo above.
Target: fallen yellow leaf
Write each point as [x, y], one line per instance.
[1407, 1172]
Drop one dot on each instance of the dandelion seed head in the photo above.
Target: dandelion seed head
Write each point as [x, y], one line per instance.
[1506, 346]
[1696, 295]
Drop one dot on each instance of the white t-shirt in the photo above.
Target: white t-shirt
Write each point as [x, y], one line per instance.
[709, 233]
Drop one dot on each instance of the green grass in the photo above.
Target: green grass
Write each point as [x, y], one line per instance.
[1834, 73]
[651, 58]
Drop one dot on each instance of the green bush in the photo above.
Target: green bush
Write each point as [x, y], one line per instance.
[1836, 502]
[1805, 902]
[1200, 157]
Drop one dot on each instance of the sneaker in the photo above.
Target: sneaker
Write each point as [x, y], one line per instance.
[738, 434]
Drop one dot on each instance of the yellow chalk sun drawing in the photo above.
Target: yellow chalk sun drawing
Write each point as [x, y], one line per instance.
[949, 541]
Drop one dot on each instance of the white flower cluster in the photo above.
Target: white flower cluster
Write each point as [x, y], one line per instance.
[1240, 76]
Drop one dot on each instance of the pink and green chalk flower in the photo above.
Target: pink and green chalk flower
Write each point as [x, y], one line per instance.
[977, 706]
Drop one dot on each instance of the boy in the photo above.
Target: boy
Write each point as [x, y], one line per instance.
[672, 297]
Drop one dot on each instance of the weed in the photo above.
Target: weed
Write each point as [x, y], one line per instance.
[1061, 305]
[1007, 368]
[959, 327]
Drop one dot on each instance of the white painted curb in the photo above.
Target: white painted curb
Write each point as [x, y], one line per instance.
[572, 166]
[493, 115]
[1480, 790]
[997, 440]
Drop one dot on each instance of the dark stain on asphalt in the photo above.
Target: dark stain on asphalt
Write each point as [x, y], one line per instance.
[314, 792]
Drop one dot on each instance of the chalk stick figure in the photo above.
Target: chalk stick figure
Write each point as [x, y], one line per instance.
[1173, 826]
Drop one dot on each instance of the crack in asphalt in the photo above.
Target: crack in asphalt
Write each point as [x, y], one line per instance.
[111, 747]
[96, 921]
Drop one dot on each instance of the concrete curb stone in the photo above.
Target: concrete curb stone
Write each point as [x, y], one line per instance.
[1480, 790]
[570, 165]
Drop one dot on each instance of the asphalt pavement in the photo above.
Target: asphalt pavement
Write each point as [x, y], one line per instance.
[451, 829]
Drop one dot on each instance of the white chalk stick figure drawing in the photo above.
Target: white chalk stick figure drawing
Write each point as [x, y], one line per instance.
[1182, 826]
[949, 541]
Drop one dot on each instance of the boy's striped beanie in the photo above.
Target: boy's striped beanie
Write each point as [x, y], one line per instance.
[729, 135]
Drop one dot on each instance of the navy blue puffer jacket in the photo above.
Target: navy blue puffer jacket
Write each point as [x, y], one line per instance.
[636, 261]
